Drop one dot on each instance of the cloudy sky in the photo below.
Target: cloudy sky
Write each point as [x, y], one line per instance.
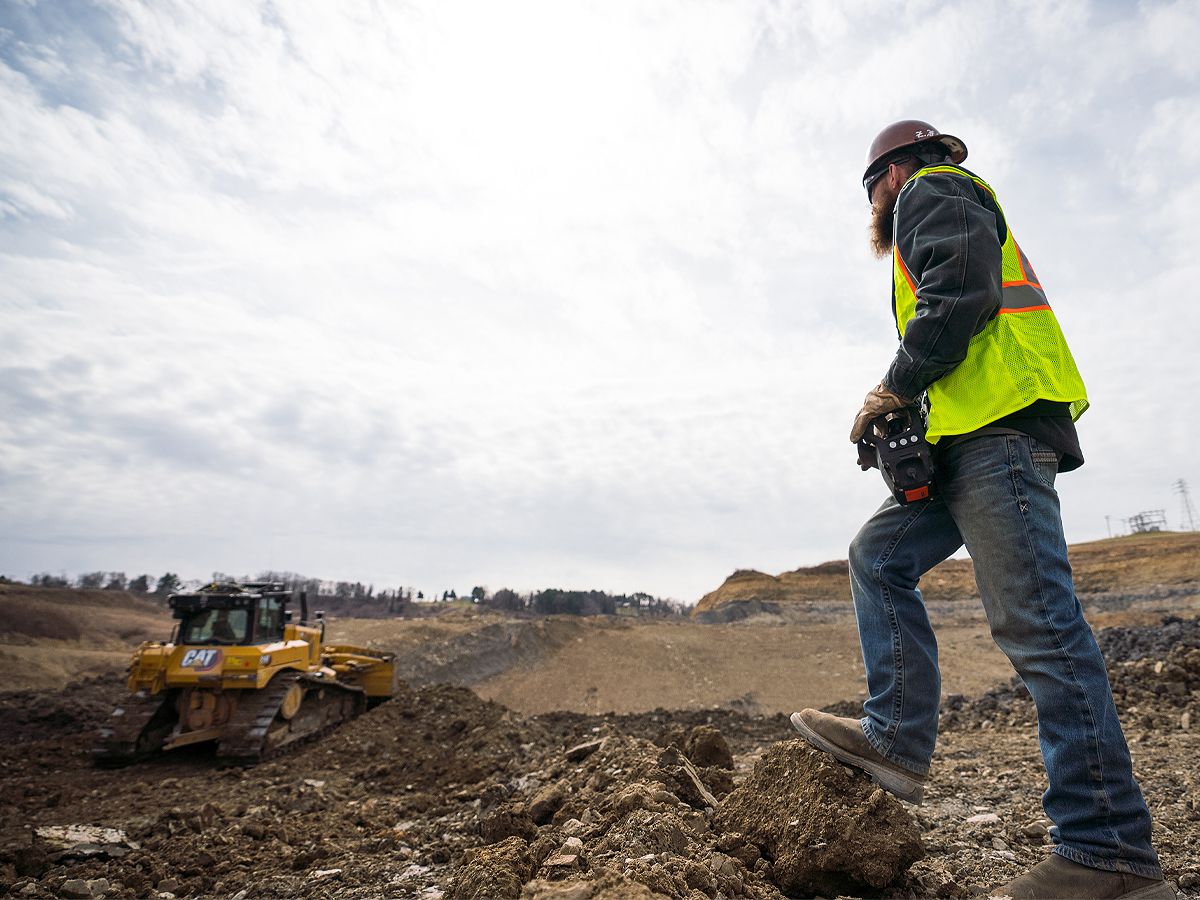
[534, 294]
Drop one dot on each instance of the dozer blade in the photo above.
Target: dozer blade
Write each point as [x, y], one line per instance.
[264, 724]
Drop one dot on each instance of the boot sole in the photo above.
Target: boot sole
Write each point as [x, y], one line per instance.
[1160, 891]
[907, 788]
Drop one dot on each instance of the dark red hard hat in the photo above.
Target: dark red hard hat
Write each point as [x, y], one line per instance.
[909, 133]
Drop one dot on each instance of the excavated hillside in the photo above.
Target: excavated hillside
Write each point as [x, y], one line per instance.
[49, 636]
[1109, 573]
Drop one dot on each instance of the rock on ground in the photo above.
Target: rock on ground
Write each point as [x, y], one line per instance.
[827, 828]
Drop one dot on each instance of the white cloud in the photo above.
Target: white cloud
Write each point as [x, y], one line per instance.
[539, 293]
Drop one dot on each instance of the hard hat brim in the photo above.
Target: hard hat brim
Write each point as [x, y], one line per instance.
[956, 147]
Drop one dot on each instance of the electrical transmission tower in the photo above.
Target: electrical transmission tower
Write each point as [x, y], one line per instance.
[1188, 522]
[1150, 520]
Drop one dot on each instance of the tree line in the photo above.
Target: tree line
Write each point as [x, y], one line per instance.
[165, 584]
[356, 598]
[556, 601]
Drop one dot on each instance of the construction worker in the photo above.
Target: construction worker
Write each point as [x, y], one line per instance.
[222, 629]
[979, 341]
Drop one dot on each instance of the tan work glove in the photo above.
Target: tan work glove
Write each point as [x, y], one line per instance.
[879, 401]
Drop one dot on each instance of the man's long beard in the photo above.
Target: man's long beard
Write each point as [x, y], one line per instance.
[883, 218]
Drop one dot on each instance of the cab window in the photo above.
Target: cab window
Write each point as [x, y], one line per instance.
[215, 626]
[270, 620]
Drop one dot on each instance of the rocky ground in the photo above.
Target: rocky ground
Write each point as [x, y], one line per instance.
[442, 794]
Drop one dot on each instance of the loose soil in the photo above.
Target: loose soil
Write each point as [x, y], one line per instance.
[442, 793]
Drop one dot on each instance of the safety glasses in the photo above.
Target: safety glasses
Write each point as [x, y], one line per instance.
[870, 181]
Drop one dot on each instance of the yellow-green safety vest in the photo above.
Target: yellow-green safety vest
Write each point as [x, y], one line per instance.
[1020, 355]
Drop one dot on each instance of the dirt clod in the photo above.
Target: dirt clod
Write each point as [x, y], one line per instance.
[547, 802]
[507, 821]
[826, 828]
[75, 888]
[495, 871]
[706, 746]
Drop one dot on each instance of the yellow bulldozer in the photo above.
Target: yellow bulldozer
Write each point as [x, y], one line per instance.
[239, 671]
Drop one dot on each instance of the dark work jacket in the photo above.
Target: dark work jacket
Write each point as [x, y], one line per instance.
[948, 231]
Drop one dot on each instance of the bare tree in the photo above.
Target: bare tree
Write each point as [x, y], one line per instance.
[91, 580]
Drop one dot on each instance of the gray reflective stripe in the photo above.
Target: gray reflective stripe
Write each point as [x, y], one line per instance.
[1021, 296]
[1025, 266]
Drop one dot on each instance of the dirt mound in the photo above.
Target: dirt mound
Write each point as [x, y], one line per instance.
[408, 800]
[1134, 643]
[610, 812]
[1006, 704]
[1114, 570]
[825, 827]
[620, 810]
[402, 777]
[390, 803]
[436, 736]
[28, 716]
[498, 870]
[743, 731]
[1154, 672]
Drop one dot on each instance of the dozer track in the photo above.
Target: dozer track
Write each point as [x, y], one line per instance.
[135, 729]
[260, 726]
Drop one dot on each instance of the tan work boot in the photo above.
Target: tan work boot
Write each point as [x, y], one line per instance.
[844, 738]
[1058, 877]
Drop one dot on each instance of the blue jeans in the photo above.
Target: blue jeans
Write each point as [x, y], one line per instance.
[995, 493]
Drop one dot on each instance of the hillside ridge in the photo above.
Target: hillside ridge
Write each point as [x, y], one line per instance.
[1131, 564]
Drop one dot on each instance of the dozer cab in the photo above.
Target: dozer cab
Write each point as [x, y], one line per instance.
[239, 671]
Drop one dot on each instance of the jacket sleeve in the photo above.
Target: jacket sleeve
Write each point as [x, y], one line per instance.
[950, 244]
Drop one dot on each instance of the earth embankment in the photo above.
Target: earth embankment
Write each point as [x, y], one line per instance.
[49, 636]
[1109, 574]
